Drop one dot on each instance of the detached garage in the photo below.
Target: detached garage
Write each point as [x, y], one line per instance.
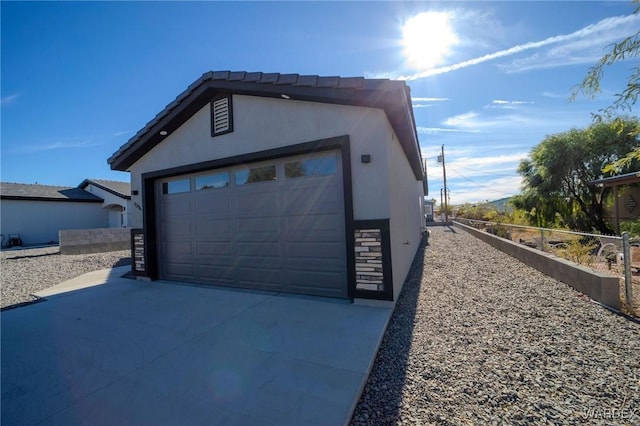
[279, 182]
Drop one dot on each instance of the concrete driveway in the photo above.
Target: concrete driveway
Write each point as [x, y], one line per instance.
[129, 352]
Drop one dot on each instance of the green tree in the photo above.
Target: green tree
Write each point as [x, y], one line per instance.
[556, 175]
[629, 47]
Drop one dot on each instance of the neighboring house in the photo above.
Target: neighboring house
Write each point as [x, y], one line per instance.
[116, 196]
[37, 212]
[280, 182]
[429, 210]
[626, 196]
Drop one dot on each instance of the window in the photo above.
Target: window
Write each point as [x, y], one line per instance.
[322, 166]
[216, 180]
[176, 186]
[221, 115]
[255, 174]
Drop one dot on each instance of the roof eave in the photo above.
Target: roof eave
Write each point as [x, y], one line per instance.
[374, 94]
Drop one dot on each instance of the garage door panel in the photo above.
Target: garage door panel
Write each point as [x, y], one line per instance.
[281, 235]
[179, 227]
[180, 270]
[213, 204]
[314, 250]
[306, 200]
[312, 223]
[175, 206]
[214, 229]
[248, 262]
[263, 277]
[305, 281]
[319, 237]
[256, 203]
[259, 249]
[179, 248]
[215, 248]
[218, 261]
[258, 224]
[216, 272]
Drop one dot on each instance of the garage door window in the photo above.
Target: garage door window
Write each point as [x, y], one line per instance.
[212, 181]
[256, 174]
[176, 186]
[323, 166]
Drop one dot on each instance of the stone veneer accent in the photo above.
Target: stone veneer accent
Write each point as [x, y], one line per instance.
[368, 250]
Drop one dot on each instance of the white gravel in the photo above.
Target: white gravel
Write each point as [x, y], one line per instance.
[24, 272]
[479, 338]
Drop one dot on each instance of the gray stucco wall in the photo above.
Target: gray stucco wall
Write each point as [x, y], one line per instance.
[38, 222]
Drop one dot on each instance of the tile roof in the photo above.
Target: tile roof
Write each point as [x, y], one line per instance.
[25, 191]
[391, 95]
[121, 189]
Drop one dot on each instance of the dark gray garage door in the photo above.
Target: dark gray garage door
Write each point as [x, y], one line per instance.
[276, 225]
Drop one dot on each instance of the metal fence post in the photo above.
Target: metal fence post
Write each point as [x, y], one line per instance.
[542, 239]
[626, 253]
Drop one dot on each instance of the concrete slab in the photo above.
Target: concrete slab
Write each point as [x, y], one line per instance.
[130, 352]
[87, 280]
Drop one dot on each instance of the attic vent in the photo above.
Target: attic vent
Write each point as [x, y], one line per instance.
[221, 116]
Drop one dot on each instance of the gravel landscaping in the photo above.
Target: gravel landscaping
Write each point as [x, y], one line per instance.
[479, 338]
[26, 271]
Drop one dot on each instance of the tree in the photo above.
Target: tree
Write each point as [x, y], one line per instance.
[556, 177]
[629, 47]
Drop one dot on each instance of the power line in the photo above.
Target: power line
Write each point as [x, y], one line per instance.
[490, 188]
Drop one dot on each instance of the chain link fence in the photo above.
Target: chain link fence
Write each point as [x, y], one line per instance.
[608, 254]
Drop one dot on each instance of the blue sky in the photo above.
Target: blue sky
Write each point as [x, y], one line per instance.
[79, 79]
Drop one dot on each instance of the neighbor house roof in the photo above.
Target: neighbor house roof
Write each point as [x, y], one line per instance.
[121, 189]
[393, 96]
[23, 191]
[625, 179]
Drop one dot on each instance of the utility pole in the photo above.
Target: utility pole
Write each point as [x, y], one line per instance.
[444, 175]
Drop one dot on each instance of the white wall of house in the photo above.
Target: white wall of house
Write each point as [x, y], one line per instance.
[38, 222]
[117, 208]
[266, 123]
[407, 219]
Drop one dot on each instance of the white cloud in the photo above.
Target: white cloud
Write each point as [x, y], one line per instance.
[434, 130]
[432, 101]
[463, 120]
[503, 104]
[65, 144]
[429, 99]
[599, 34]
[488, 163]
[492, 189]
[6, 100]
[555, 95]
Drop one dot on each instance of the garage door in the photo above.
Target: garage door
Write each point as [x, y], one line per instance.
[275, 225]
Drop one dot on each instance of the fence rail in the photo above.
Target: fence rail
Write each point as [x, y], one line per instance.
[609, 254]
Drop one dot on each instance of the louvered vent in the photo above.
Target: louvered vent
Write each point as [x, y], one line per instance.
[221, 121]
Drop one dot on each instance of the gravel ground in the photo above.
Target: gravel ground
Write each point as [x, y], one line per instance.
[479, 338]
[27, 271]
